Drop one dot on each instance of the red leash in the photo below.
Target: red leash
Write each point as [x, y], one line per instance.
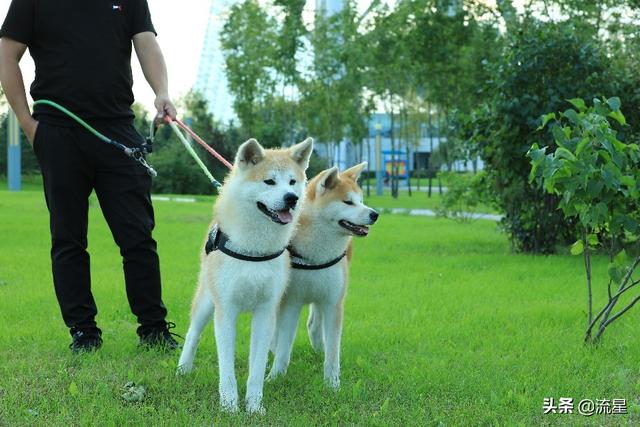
[200, 141]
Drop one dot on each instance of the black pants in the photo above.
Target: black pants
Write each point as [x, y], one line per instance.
[73, 163]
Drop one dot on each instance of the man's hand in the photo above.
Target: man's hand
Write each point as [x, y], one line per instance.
[165, 107]
[29, 128]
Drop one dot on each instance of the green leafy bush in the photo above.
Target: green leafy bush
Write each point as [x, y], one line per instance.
[596, 177]
[542, 66]
[465, 192]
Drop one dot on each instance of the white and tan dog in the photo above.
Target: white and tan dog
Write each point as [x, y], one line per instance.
[321, 251]
[245, 266]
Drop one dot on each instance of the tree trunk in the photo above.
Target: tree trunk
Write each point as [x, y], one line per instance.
[430, 169]
[407, 149]
[392, 178]
[409, 170]
[368, 165]
[587, 267]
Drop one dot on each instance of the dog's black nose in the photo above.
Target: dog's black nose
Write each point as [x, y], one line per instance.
[290, 200]
[374, 216]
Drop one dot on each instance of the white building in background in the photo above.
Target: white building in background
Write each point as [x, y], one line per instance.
[212, 80]
[329, 7]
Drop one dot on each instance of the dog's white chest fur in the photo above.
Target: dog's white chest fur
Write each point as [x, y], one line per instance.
[307, 286]
[243, 287]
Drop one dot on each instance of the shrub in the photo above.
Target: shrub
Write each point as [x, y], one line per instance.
[464, 194]
[597, 180]
[542, 66]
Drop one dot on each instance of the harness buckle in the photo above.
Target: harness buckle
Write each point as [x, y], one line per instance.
[212, 241]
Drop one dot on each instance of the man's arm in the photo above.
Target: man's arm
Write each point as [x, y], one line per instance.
[155, 71]
[11, 52]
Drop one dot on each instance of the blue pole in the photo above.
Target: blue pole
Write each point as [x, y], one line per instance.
[13, 154]
[379, 165]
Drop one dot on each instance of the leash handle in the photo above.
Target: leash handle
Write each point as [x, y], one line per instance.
[191, 151]
[154, 125]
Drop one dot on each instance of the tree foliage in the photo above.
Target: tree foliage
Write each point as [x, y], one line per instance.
[542, 66]
[596, 177]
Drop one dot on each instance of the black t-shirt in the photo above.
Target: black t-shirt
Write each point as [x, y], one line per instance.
[82, 53]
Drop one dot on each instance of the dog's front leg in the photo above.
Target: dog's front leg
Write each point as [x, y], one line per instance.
[202, 313]
[262, 327]
[285, 334]
[332, 328]
[225, 329]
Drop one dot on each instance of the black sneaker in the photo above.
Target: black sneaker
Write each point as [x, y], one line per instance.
[159, 337]
[85, 340]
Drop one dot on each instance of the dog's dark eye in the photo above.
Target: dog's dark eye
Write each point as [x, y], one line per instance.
[292, 182]
[269, 182]
[348, 202]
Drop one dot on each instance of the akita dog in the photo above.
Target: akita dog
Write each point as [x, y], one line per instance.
[321, 252]
[245, 266]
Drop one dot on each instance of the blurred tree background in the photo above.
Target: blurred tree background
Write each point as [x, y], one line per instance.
[482, 73]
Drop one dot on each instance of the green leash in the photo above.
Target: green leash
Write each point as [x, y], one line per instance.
[193, 153]
[135, 153]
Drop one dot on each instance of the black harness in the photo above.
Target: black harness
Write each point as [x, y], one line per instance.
[218, 241]
[298, 262]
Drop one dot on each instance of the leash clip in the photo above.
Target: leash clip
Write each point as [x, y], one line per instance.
[147, 147]
[138, 155]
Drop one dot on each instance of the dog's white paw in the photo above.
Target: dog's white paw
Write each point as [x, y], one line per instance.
[274, 374]
[229, 406]
[229, 400]
[184, 369]
[332, 382]
[254, 407]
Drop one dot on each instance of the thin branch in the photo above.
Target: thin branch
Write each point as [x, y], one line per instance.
[587, 267]
[609, 306]
[604, 324]
[623, 284]
[633, 283]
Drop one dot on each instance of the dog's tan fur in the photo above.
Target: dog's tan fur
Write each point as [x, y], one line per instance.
[319, 239]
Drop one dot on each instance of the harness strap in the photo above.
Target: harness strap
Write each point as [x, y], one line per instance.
[300, 266]
[218, 241]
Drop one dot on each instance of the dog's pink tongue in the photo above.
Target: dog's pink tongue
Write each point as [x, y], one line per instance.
[363, 230]
[284, 216]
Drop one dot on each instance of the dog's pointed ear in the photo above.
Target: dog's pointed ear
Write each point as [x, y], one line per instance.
[250, 153]
[327, 181]
[354, 171]
[301, 152]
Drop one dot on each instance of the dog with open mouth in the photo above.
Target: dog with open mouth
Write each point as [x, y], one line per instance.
[245, 265]
[320, 250]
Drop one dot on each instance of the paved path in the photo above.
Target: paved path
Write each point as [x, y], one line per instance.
[429, 212]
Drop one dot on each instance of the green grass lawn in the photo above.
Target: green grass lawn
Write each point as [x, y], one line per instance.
[443, 326]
